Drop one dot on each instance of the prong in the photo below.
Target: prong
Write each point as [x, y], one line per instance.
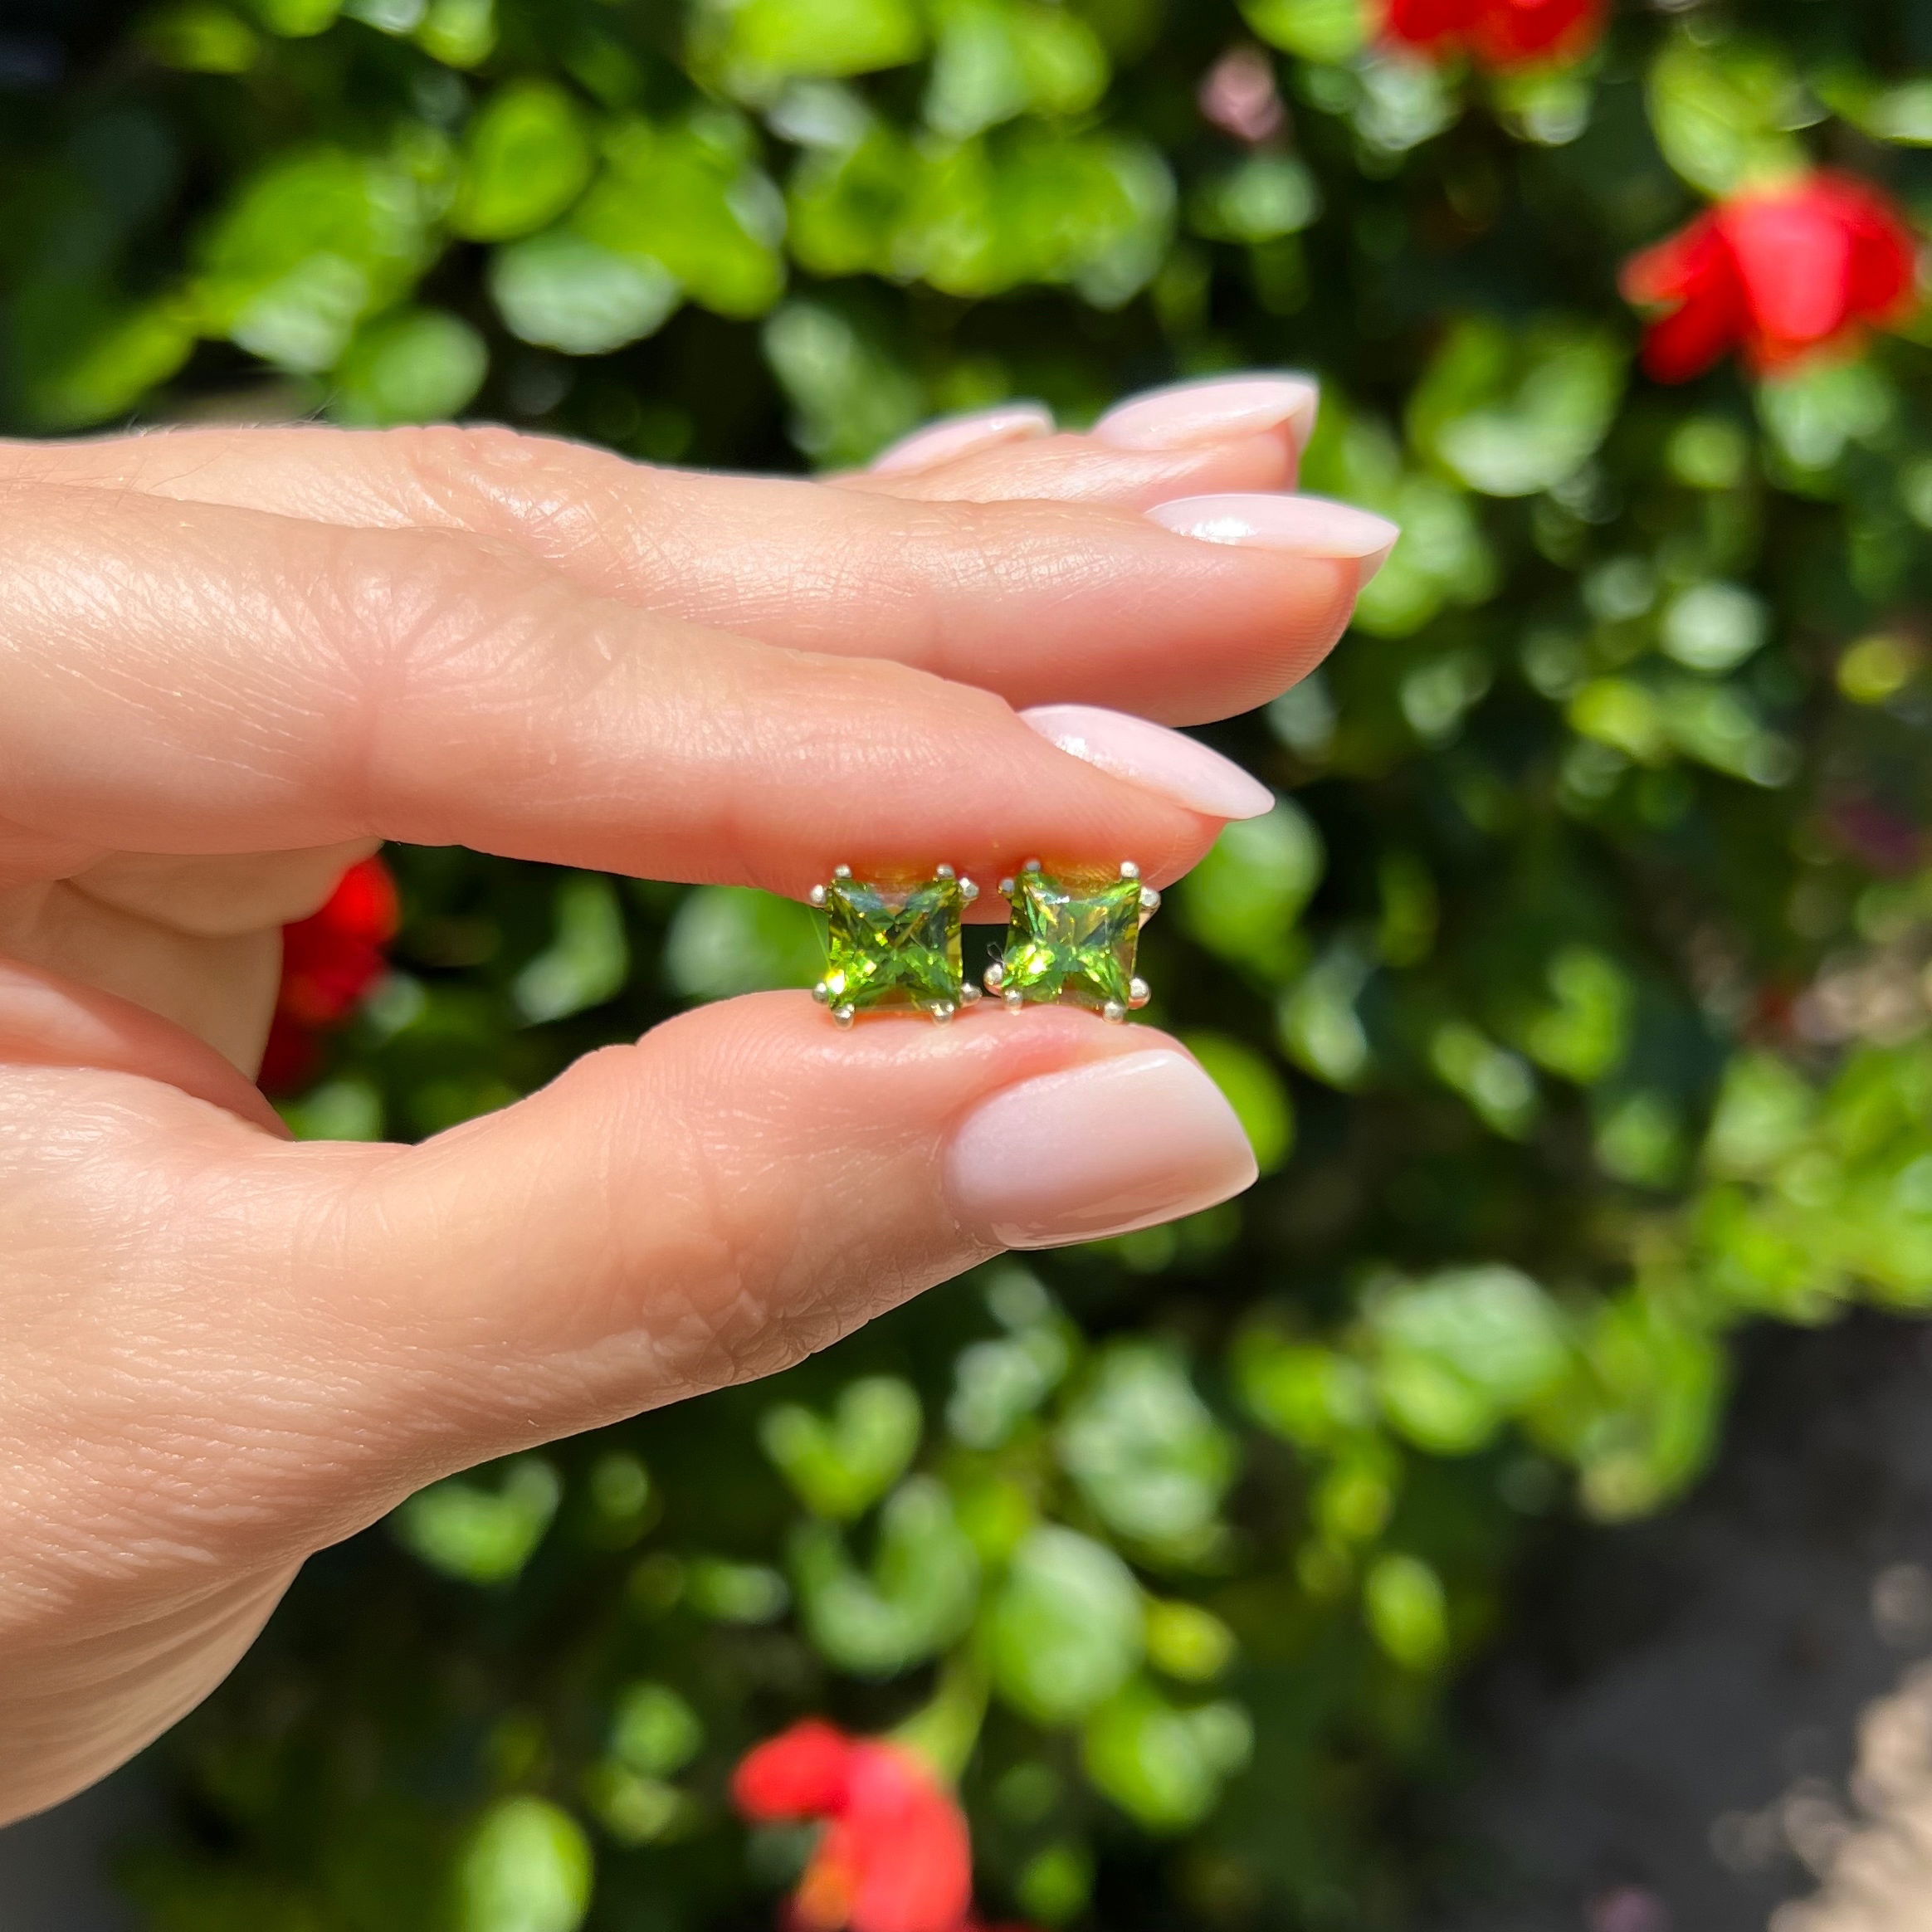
[816, 895]
[993, 976]
[1114, 1012]
[942, 1010]
[968, 890]
[842, 871]
[1014, 1002]
[1030, 865]
[1128, 870]
[1006, 888]
[1138, 993]
[969, 994]
[943, 872]
[822, 992]
[1149, 902]
[845, 1015]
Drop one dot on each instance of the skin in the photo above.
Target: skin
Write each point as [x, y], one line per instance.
[231, 662]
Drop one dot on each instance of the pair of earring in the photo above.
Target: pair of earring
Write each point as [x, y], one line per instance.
[1072, 937]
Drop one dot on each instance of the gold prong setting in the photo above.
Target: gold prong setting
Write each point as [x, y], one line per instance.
[894, 944]
[1073, 940]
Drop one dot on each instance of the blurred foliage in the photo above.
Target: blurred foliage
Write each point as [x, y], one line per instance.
[1576, 1000]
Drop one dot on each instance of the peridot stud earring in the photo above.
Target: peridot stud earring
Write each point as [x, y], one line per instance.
[894, 946]
[1073, 941]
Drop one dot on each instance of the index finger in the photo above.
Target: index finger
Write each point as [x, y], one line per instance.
[178, 678]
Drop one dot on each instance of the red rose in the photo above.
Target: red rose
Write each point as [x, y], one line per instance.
[895, 1856]
[330, 962]
[1497, 33]
[1779, 273]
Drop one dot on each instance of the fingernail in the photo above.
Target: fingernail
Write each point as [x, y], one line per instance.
[1186, 413]
[1308, 526]
[1152, 756]
[1099, 1150]
[939, 442]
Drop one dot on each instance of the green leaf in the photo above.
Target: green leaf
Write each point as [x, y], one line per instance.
[1408, 1610]
[460, 33]
[297, 19]
[1901, 115]
[1161, 1765]
[840, 1467]
[654, 1731]
[688, 199]
[1410, 910]
[1510, 414]
[1815, 413]
[1243, 899]
[1259, 199]
[1722, 112]
[1584, 1034]
[849, 395]
[526, 158]
[1317, 30]
[481, 1536]
[588, 959]
[1032, 206]
[1764, 1112]
[1316, 1021]
[1641, 1424]
[728, 939]
[735, 1593]
[79, 360]
[999, 1383]
[527, 1868]
[317, 240]
[1067, 1629]
[1315, 1397]
[919, 1596]
[996, 59]
[198, 37]
[1458, 1352]
[754, 46]
[1146, 1450]
[560, 292]
[1250, 1086]
[1187, 1642]
[1497, 1084]
[1713, 626]
[419, 365]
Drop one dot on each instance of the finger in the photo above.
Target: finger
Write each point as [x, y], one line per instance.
[219, 680]
[948, 569]
[1227, 433]
[220, 987]
[738, 1189]
[49, 1021]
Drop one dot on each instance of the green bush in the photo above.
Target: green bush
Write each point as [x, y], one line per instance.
[1577, 999]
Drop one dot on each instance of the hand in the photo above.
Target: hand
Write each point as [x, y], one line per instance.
[232, 661]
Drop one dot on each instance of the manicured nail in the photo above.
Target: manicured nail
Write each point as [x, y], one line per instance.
[1308, 526]
[939, 442]
[1099, 1150]
[1152, 756]
[1217, 411]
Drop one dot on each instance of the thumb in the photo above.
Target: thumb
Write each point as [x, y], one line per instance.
[336, 1324]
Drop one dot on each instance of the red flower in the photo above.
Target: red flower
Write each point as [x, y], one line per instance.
[1779, 273]
[1497, 33]
[895, 1856]
[330, 962]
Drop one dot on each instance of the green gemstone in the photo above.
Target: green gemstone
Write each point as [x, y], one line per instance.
[892, 947]
[1071, 942]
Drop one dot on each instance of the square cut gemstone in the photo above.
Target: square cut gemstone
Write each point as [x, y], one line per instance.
[893, 946]
[1072, 941]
